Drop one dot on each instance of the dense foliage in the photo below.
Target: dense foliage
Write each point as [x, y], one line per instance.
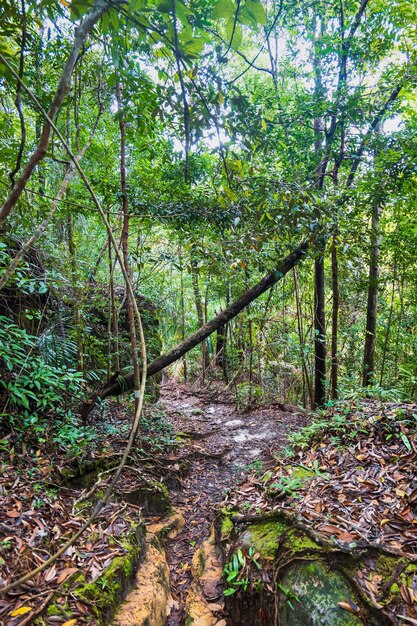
[247, 126]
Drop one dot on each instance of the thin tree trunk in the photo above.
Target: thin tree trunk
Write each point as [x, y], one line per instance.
[319, 278]
[220, 346]
[319, 333]
[113, 317]
[397, 339]
[125, 383]
[125, 246]
[301, 338]
[335, 319]
[199, 310]
[76, 293]
[250, 357]
[368, 371]
[184, 360]
[387, 334]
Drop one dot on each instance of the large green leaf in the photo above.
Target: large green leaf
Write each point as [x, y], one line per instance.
[224, 9]
[79, 7]
[234, 31]
[253, 12]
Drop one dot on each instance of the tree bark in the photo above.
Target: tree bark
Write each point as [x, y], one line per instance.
[124, 384]
[387, 334]
[319, 333]
[76, 293]
[199, 309]
[220, 347]
[368, 372]
[306, 375]
[184, 360]
[334, 375]
[125, 245]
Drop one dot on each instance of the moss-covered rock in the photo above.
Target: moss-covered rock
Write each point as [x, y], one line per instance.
[264, 537]
[147, 603]
[315, 591]
[153, 498]
[324, 576]
[197, 609]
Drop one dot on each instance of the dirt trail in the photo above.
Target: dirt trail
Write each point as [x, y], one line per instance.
[223, 443]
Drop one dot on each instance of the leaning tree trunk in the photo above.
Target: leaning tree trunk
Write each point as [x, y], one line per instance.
[124, 384]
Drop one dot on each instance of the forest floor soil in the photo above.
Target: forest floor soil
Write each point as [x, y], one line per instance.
[45, 497]
[224, 445]
[351, 479]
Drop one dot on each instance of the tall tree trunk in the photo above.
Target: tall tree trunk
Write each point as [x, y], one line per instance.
[113, 328]
[368, 371]
[387, 334]
[184, 360]
[319, 333]
[125, 246]
[319, 278]
[306, 375]
[199, 309]
[335, 319]
[76, 293]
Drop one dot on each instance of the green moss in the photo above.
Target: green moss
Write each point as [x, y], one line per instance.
[226, 527]
[385, 564]
[298, 541]
[105, 593]
[319, 589]
[264, 536]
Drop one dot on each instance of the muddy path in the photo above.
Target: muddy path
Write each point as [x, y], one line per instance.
[223, 444]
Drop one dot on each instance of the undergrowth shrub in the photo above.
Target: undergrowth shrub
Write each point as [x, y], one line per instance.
[32, 392]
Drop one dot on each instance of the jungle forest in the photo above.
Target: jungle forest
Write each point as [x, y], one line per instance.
[208, 312]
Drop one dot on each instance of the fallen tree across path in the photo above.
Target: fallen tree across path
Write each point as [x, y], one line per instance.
[123, 384]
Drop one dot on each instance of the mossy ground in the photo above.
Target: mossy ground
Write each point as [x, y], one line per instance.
[103, 595]
[281, 544]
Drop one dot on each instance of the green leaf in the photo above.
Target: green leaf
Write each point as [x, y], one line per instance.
[224, 9]
[406, 442]
[79, 7]
[253, 12]
[235, 31]
[229, 592]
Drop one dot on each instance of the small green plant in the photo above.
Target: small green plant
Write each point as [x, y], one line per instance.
[256, 466]
[232, 571]
[235, 570]
[290, 597]
[247, 393]
[289, 485]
